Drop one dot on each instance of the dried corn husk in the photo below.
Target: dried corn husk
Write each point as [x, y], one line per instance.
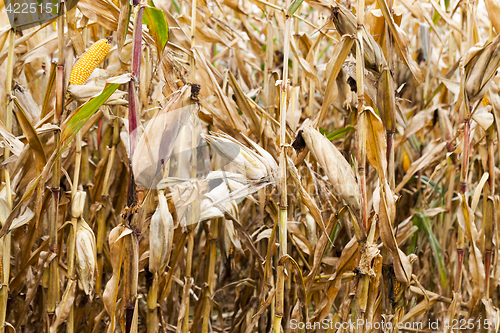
[78, 204]
[86, 256]
[209, 211]
[254, 166]
[481, 65]
[85, 92]
[337, 169]
[161, 236]
[157, 142]
[346, 24]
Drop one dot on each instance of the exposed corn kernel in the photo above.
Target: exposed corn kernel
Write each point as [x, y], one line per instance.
[486, 100]
[406, 161]
[89, 61]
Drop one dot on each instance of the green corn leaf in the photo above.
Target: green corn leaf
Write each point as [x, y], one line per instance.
[437, 251]
[339, 133]
[80, 116]
[158, 27]
[293, 7]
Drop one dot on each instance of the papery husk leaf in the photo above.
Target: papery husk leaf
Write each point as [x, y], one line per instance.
[160, 236]
[337, 169]
[155, 146]
[86, 256]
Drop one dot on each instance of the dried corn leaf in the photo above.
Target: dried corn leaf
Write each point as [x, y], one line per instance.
[432, 152]
[9, 140]
[346, 262]
[111, 291]
[403, 43]
[387, 214]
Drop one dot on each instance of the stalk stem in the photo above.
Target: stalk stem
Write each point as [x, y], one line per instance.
[280, 290]
[188, 280]
[53, 288]
[70, 326]
[214, 228]
[193, 29]
[152, 301]
[363, 282]
[6, 241]
[361, 128]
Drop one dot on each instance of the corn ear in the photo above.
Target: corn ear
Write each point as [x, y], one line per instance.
[154, 147]
[78, 204]
[86, 256]
[483, 67]
[346, 24]
[336, 167]
[252, 165]
[89, 61]
[385, 100]
[160, 235]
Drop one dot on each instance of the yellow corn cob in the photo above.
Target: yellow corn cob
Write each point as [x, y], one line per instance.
[89, 61]
[486, 100]
[406, 161]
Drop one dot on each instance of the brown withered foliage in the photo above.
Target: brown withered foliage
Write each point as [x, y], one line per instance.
[251, 166]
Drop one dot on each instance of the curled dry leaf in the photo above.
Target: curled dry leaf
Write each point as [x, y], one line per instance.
[23, 219]
[368, 254]
[466, 220]
[346, 262]
[64, 306]
[403, 43]
[10, 141]
[387, 214]
[110, 294]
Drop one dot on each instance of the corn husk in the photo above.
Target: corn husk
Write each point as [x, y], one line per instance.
[209, 211]
[78, 204]
[481, 66]
[161, 236]
[156, 144]
[250, 164]
[337, 169]
[86, 256]
[346, 24]
[85, 92]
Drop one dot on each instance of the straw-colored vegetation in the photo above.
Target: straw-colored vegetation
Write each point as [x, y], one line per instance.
[249, 166]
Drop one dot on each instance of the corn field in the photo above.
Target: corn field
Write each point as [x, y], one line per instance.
[250, 166]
